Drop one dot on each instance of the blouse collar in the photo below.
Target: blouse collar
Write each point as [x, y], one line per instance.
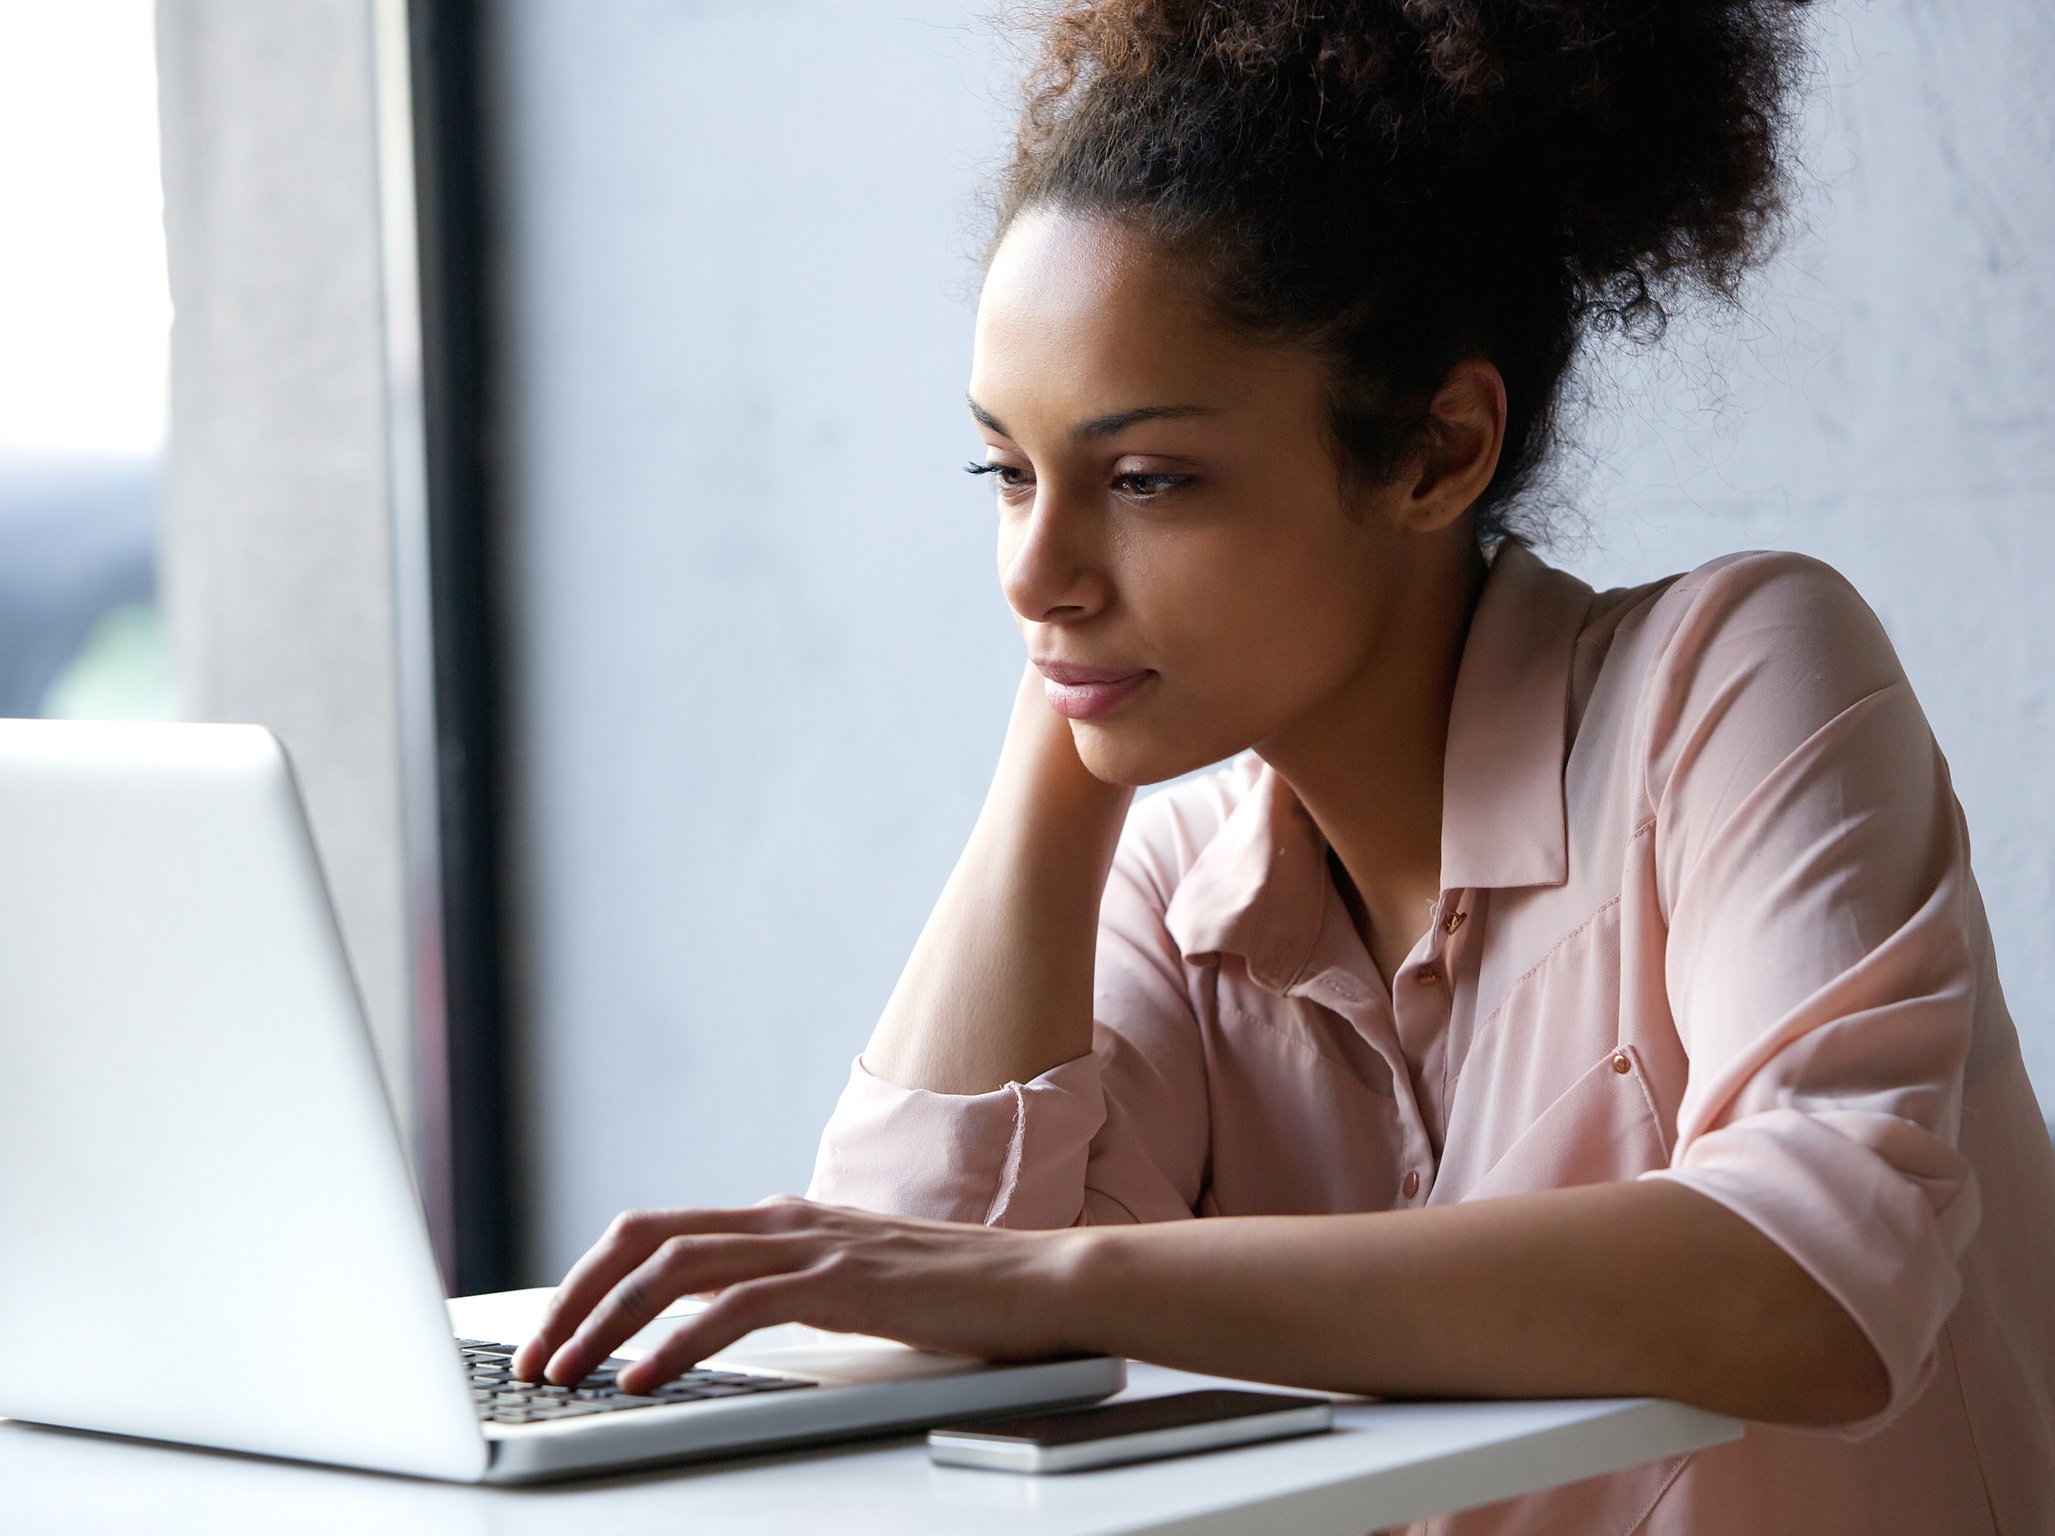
[1258, 887]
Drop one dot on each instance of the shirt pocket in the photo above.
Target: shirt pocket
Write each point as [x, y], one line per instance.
[1602, 1128]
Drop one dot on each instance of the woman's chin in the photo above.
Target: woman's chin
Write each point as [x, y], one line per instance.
[1116, 752]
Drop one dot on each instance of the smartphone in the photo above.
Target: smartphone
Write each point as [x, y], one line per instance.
[1138, 1429]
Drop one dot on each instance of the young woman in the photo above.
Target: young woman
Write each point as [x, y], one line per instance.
[1555, 992]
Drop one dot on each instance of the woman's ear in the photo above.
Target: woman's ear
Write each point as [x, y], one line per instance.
[1465, 431]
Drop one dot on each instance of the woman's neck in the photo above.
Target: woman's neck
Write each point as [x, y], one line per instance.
[1369, 767]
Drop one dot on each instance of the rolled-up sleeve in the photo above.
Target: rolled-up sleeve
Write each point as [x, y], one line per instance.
[1116, 1135]
[1813, 865]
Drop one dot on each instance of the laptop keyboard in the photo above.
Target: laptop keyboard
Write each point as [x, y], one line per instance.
[501, 1399]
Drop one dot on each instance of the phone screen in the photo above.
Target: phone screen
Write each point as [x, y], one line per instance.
[1175, 1410]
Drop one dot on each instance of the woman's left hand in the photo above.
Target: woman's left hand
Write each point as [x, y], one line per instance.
[989, 1292]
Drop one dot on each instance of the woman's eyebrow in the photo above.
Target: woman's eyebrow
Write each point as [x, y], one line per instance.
[1102, 426]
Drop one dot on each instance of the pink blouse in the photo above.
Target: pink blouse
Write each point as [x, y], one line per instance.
[1707, 915]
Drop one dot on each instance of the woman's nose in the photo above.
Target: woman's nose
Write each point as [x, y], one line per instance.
[1049, 566]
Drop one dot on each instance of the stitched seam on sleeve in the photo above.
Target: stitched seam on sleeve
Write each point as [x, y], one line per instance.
[1009, 1177]
[1644, 723]
[1803, 747]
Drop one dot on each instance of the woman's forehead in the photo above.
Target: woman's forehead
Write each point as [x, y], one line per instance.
[1082, 315]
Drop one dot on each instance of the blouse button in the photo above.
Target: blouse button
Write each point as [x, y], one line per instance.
[1620, 1062]
[1427, 976]
[1412, 1185]
[1452, 922]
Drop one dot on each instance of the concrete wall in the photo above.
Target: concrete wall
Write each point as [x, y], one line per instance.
[762, 665]
[277, 565]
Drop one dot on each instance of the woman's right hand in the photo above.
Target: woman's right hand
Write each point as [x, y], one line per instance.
[1040, 769]
[999, 986]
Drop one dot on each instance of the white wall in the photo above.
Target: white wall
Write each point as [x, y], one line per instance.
[761, 665]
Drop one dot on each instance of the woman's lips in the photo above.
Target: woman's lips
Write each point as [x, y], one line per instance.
[1088, 691]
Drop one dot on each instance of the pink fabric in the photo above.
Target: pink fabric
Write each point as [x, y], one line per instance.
[1717, 925]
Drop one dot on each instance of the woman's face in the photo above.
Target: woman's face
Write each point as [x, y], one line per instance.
[1167, 501]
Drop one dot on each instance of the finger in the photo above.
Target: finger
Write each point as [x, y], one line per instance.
[742, 1308]
[678, 1264]
[629, 1239]
[625, 1243]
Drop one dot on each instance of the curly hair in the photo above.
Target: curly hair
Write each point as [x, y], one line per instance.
[1401, 184]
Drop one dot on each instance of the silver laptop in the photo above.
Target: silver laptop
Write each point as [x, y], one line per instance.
[198, 1160]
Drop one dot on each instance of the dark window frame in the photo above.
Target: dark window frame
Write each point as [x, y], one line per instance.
[465, 1149]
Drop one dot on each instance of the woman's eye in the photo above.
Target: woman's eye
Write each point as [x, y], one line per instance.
[1136, 485]
[1005, 472]
[1149, 487]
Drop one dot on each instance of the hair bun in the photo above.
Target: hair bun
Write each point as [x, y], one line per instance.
[1642, 134]
[1519, 171]
[1656, 127]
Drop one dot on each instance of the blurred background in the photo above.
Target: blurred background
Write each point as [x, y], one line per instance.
[561, 453]
[85, 324]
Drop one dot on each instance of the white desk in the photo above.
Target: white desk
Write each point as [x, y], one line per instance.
[1385, 1464]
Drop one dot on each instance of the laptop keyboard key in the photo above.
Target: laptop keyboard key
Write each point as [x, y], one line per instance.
[503, 1399]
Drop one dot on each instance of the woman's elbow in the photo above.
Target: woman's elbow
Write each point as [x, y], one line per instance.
[1821, 1370]
[1852, 1383]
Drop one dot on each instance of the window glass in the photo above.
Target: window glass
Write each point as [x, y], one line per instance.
[85, 323]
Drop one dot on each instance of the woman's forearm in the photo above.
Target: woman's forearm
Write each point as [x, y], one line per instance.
[999, 985]
[1643, 1288]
